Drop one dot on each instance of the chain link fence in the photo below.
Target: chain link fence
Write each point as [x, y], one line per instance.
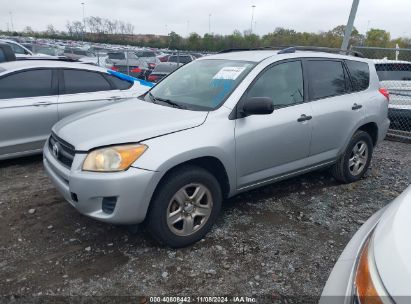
[394, 71]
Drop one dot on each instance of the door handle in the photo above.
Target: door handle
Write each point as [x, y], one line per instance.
[304, 118]
[356, 107]
[115, 97]
[41, 103]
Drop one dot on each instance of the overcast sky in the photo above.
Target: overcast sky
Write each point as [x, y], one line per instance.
[184, 16]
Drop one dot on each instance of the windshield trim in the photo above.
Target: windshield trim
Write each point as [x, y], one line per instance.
[223, 101]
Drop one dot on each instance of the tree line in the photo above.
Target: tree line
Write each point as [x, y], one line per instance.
[102, 30]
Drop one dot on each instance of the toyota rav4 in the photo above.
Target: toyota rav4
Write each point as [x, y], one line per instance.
[214, 128]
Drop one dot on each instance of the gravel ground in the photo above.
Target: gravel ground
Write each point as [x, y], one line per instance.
[281, 239]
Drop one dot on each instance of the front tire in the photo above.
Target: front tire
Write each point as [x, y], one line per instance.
[184, 207]
[354, 162]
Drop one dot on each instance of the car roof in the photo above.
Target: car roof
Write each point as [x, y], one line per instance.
[32, 63]
[260, 55]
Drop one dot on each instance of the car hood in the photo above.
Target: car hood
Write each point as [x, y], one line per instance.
[126, 122]
[392, 247]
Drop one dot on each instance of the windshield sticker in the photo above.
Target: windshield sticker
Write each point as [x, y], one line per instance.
[229, 73]
[224, 86]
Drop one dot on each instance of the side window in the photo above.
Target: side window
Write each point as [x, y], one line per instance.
[119, 83]
[327, 78]
[30, 83]
[83, 81]
[360, 75]
[283, 83]
[17, 49]
[2, 56]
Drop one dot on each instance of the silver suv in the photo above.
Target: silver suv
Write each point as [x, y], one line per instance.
[214, 128]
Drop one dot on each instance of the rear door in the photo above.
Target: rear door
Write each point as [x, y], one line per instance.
[28, 110]
[336, 107]
[83, 90]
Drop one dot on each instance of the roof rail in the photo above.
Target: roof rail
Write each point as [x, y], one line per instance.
[293, 49]
[52, 58]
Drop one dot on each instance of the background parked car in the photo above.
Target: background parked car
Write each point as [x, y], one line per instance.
[41, 92]
[150, 57]
[184, 59]
[375, 266]
[162, 70]
[77, 53]
[137, 68]
[114, 57]
[18, 49]
[396, 77]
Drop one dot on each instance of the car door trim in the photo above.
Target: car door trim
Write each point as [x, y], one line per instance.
[286, 175]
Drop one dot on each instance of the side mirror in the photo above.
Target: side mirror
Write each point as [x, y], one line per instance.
[257, 106]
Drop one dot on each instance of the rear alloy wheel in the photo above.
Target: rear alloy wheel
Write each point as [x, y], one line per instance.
[354, 162]
[184, 207]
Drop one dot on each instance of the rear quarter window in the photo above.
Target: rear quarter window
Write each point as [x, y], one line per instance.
[119, 83]
[360, 75]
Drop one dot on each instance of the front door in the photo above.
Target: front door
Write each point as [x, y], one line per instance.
[272, 145]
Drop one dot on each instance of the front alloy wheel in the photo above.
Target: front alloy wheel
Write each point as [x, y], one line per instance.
[189, 209]
[184, 207]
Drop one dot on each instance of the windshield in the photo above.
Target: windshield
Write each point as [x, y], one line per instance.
[202, 85]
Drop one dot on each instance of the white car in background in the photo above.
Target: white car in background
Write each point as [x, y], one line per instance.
[375, 267]
[35, 94]
[395, 76]
[18, 49]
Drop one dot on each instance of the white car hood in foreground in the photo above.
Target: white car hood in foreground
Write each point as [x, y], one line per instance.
[130, 121]
[392, 247]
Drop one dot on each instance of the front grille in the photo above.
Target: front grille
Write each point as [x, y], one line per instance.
[61, 150]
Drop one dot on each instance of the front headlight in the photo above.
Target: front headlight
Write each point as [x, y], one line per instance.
[368, 287]
[113, 159]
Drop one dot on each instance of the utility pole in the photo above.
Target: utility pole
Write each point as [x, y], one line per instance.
[350, 25]
[11, 21]
[252, 18]
[209, 24]
[84, 22]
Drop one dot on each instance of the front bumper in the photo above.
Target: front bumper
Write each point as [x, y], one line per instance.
[130, 190]
[339, 286]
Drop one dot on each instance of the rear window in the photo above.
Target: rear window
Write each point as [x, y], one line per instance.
[360, 75]
[165, 68]
[83, 81]
[327, 79]
[393, 71]
[182, 59]
[146, 54]
[118, 56]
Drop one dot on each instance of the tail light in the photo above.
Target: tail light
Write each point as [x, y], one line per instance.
[114, 68]
[385, 92]
[136, 70]
[153, 78]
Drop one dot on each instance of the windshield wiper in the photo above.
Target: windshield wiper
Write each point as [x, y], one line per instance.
[168, 101]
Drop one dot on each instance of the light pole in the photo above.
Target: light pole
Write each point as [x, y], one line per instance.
[11, 21]
[252, 18]
[84, 22]
[209, 24]
[350, 25]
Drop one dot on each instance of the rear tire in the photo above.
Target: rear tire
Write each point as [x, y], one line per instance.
[354, 162]
[184, 207]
